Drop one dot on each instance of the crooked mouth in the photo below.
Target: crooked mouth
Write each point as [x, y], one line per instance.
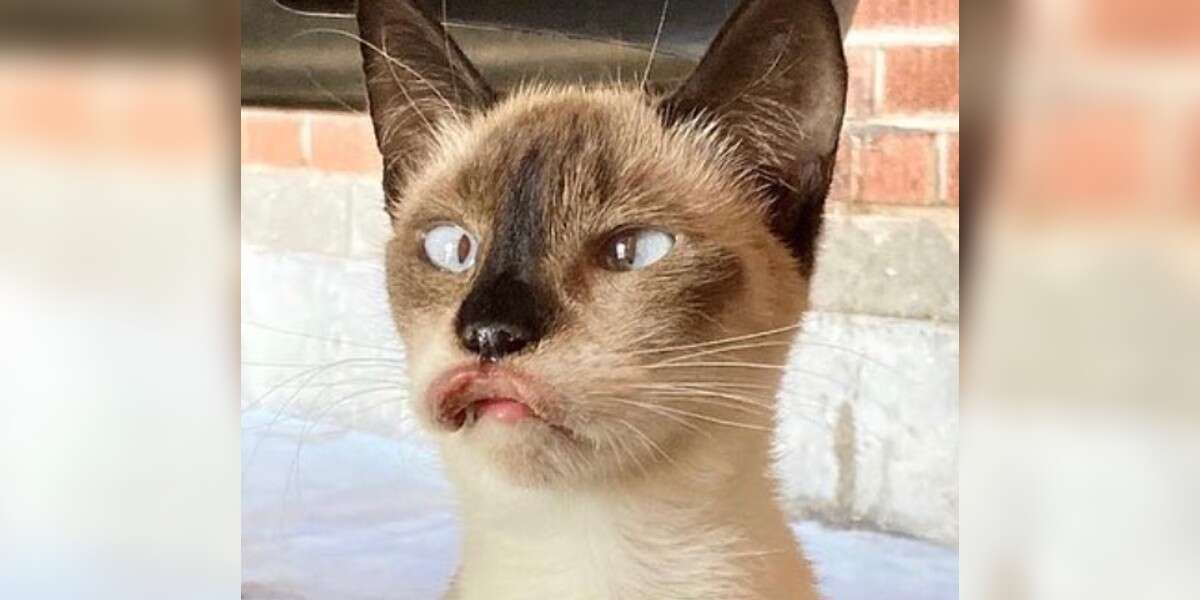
[505, 410]
[463, 396]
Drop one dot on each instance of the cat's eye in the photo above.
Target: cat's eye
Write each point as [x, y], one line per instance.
[634, 249]
[449, 247]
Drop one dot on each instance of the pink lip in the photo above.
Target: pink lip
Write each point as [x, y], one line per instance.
[472, 391]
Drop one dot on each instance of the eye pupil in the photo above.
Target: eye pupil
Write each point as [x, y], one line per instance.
[464, 248]
[449, 248]
[625, 251]
[637, 249]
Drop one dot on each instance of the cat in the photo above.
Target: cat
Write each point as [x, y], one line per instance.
[597, 287]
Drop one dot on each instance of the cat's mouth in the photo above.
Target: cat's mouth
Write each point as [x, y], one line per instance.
[465, 395]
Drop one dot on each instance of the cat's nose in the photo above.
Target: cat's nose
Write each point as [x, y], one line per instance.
[493, 341]
[504, 314]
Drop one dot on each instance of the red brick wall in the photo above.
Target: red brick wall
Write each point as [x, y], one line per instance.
[1099, 109]
[900, 145]
[900, 142]
[77, 106]
[327, 141]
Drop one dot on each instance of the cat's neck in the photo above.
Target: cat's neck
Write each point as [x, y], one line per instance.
[703, 525]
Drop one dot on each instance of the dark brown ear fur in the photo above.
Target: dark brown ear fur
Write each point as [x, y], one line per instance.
[416, 77]
[775, 80]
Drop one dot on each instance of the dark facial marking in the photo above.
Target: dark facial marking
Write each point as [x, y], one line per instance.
[518, 226]
[509, 309]
[710, 290]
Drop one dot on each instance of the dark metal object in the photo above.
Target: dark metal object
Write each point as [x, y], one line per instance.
[310, 58]
[303, 53]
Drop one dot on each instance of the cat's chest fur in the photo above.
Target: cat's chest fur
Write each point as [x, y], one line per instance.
[587, 558]
[676, 535]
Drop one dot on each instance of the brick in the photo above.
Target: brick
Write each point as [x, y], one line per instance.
[1188, 164]
[896, 167]
[1166, 26]
[272, 138]
[243, 138]
[951, 171]
[299, 211]
[860, 92]
[172, 119]
[1089, 157]
[343, 142]
[899, 13]
[56, 109]
[81, 107]
[921, 79]
[842, 188]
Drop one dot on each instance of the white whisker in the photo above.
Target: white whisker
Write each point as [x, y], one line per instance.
[662, 19]
[740, 338]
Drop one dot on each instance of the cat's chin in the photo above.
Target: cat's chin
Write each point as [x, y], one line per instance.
[529, 452]
[506, 421]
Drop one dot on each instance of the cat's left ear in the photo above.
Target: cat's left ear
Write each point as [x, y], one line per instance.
[416, 78]
[774, 79]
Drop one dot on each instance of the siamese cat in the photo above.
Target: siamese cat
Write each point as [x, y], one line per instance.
[597, 287]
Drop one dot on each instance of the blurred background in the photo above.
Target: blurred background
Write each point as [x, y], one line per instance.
[1079, 444]
[1081, 399]
[118, 299]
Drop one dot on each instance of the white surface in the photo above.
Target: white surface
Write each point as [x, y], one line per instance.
[330, 513]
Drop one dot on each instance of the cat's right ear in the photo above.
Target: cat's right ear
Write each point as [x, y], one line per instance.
[774, 80]
[416, 77]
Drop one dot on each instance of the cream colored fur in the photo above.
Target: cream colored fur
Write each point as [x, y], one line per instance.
[669, 535]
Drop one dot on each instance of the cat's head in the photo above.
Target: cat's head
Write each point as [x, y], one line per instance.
[589, 279]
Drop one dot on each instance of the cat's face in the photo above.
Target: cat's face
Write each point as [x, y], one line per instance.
[586, 280]
[594, 236]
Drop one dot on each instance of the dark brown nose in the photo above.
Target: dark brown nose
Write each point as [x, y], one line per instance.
[493, 341]
[503, 315]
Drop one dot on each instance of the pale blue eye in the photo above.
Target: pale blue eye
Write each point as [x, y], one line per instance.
[637, 249]
[450, 248]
